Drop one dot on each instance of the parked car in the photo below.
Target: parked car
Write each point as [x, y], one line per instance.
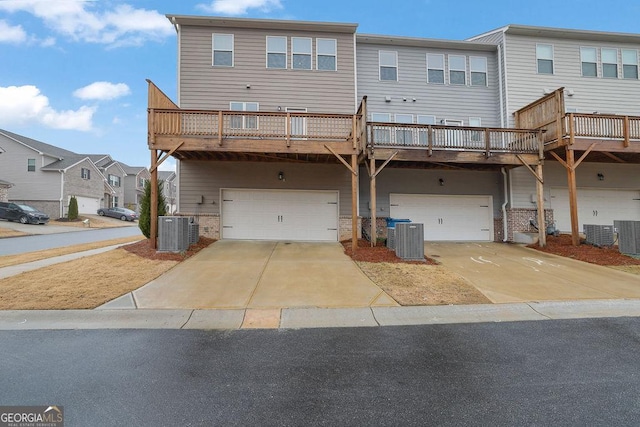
[121, 213]
[23, 213]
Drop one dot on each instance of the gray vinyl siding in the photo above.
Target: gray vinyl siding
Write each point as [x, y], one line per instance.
[37, 185]
[617, 176]
[416, 181]
[604, 95]
[453, 102]
[200, 179]
[119, 191]
[203, 86]
[133, 192]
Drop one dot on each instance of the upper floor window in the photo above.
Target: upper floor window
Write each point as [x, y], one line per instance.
[609, 63]
[478, 67]
[544, 57]
[301, 53]
[244, 122]
[85, 173]
[629, 64]
[589, 59]
[457, 70]
[31, 165]
[141, 182]
[381, 134]
[435, 68]
[388, 61]
[223, 50]
[114, 180]
[326, 51]
[276, 52]
[404, 135]
[426, 120]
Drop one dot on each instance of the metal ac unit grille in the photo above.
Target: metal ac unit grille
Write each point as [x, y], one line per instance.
[599, 235]
[628, 236]
[173, 233]
[194, 233]
[391, 238]
[410, 241]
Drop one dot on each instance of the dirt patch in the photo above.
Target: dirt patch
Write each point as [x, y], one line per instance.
[607, 256]
[413, 284]
[144, 249]
[379, 253]
[7, 232]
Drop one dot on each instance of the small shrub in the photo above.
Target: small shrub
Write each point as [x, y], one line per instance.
[73, 209]
[144, 222]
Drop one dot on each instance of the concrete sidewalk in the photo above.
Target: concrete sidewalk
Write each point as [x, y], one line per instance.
[295, 318]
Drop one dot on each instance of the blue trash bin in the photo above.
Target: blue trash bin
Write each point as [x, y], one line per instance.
[391, 222]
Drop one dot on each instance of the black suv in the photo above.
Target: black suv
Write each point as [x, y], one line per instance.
[23, 213]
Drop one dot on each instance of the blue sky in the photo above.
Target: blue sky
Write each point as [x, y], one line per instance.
[73, 72]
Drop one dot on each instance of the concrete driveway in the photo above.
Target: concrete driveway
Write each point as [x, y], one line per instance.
[256, 274]
[508, 273]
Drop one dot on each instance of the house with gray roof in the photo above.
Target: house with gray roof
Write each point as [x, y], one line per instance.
[169, 189]
[134, 181]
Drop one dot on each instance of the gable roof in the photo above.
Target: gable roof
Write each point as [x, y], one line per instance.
[39, 146]
[132, 170]
[166, 175]
[563, 33]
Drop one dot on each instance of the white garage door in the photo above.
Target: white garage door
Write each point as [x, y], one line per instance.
[458, 218]
[87, 205]
[280, 215]
[595, 206]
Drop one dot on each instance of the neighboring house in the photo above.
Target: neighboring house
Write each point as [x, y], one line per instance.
[115, 176]
[297, 130]
[134, 181]
[4, 190]
[169, 189]
[46, 176]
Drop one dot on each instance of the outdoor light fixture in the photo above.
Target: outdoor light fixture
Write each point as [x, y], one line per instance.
[281, 176]
[441, 182]
[600, 176]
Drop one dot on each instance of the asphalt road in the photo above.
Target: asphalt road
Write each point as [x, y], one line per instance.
[17, 245]
[577, 372]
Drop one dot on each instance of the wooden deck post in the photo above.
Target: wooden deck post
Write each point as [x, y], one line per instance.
[626, 132]
[542, 229]
[573, 197]
[354, 202]
[372, 191]
[154, 199]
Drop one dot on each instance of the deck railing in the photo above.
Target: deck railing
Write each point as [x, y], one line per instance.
[603, 126]
[457, 138]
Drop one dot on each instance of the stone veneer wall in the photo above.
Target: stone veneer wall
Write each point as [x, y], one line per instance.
[4, 193]
[518, 220]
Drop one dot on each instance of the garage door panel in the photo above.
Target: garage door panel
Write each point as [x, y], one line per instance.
[453, 218]
[87, 205]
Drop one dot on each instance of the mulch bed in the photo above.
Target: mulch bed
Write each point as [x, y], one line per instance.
[144, 249]
[561, 245]
[378, 253]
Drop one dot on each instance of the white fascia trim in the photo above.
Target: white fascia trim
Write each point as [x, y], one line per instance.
[506, 77]
[179, 41]
[355, 75]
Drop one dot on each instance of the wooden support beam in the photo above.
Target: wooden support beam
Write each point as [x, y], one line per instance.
[560, 159]
[542, 228]
[153, 216]
[573, 198]
[626, 132]
[386, 162]
[584, 155]
[220, 126]
[343, 161]
[535, 173]
[373, 201]
[613, 157]
[160, 161]
[354, 203]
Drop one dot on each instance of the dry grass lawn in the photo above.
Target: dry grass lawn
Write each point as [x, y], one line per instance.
[7, 232]
[9, 260]
[80, 284]
[414, 284]
[95, 221]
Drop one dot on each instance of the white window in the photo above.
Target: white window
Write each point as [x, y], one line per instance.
[244, 122]
[301, 53]
[475, 121]
[388, 61]
[589, 59]
[457, 70]
[422, 133]
[381, 134]
[478, 67]
[544, 57]
[404, 135]
[326, 54]
[85, 173]
[609, 63]
[276, 52]
[114, 180]
[435, 68]
[476, 136]
[453, 122]
[31, 165]
[223, 50]
[629, 64]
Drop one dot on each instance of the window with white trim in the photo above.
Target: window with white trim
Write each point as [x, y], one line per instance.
[222, 50]
[381, 134]
[388, 62]
[301, 53]
[114, 180]
[422, 133]
[435, 68]
[404, 135]
[31, 165]
[457, 70]
[629, 64]
[476, 135]
[276, 52]
[244, 122]
[478, 68]
[85, 173]
[544, 58]
[326, 54]
[589, 60]
[609, 63]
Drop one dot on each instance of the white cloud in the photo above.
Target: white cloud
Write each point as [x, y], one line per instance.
[21, 105]
[11, 34]
[79, 21]
[168, 165]
[102, 91]
[239, 7]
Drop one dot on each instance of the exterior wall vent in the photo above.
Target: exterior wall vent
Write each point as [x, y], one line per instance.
[410, 241]
[599, 235]
[628, 236]
[173, 233]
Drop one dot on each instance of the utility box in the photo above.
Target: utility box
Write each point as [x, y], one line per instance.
[173, 233]
[410, 241]
[599, 235]
[628, 236]
[391, 231]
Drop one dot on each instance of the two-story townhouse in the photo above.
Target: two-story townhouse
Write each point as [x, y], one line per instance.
[599, 106]
[114, 173]
[169, 189]
[296, 79]
[133, 185]
[46, 176]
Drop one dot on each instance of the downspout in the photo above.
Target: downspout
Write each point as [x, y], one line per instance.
[505, 225]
